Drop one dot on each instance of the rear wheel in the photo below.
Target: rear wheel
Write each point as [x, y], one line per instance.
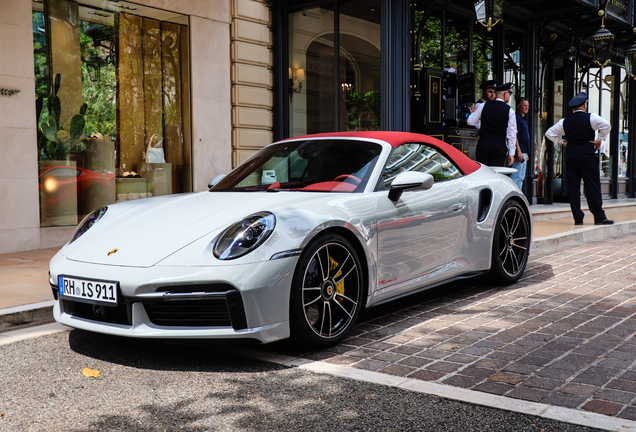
[510, 244]
[327, 292]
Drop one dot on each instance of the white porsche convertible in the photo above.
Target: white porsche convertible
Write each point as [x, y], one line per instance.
[296, 241]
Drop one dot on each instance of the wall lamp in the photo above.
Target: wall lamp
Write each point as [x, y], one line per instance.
[295, 76]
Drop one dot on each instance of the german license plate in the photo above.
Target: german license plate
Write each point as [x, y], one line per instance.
[88, 290]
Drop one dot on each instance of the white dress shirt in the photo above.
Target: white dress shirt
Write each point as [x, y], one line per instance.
[598, 123]
[511, 132]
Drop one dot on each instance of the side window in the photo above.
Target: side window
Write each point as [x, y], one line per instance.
[421, 158]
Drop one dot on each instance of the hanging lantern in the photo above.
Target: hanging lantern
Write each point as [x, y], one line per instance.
[94, 66]
[602, 43]
[459, 58]
[489, 12]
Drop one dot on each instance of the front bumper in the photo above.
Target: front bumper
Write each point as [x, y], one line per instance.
[245, 301]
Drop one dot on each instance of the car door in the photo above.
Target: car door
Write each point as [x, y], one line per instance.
[418, 235]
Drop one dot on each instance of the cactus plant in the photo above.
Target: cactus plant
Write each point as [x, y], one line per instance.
[54, 142]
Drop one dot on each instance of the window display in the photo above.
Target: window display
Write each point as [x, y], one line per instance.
[113, 105]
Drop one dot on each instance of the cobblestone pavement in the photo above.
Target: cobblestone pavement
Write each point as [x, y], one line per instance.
[563, 335]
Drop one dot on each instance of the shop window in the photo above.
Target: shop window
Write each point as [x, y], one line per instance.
[113, 104]
[330, 93]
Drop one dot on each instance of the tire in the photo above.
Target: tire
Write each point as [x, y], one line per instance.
[510, 243]
[327, 292]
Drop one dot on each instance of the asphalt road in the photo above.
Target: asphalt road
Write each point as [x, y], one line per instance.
[156, 386]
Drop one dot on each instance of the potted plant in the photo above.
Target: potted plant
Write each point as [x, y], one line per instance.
[55, 142]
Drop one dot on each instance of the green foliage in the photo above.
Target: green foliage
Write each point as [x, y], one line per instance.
[99, 96]
[54, 142]
[363, 111]
[438, 176]
[454, 39]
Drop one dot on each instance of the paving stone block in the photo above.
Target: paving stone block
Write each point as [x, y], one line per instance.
[461, 381]
[534, 360]
[405, 349]
[493, 387]
[525, 369]
[397, 370]
[443, 366]
[622, 397]
[416, 362]
[620, 384]
[530, 394]
[372, 365]
[603, 407]
[426, 375]
[579, 389]
[389, 357]
[541, 383]
[628, 413]
[506, 377]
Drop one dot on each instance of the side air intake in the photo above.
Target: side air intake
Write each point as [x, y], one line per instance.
[485, 200]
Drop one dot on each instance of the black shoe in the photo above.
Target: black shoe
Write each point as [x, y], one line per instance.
[579, 223]
[604, 222]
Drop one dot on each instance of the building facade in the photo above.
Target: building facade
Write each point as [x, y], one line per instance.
[417, 66]
[105, 101]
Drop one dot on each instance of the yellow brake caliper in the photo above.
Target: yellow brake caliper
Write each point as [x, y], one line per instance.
[340, 285]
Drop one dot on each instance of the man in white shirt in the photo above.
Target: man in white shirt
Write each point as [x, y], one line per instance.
[581, 160]
[498, 123]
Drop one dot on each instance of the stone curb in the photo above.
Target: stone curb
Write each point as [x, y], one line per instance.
[26, 316]
[583, 235]
[567, 415]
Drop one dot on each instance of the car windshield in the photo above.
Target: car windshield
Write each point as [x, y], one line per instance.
[324, 165]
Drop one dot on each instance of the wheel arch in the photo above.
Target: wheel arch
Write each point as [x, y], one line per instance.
[359, 249]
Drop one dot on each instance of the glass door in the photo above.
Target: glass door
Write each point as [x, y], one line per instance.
[329, 92]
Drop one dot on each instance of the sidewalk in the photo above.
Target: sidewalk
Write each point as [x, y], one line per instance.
[26, 298]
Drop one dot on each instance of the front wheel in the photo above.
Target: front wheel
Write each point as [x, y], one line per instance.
[327, 292]
[510, 244]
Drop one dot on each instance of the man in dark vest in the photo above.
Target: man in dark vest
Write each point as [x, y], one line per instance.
[581, 160]
[487, 95]
[498, 124]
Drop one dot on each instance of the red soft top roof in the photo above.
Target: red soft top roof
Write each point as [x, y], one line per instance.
[463, 162]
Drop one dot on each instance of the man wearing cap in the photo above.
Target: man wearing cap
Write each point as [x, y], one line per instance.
[581, 161]
[487, 95]
[498, 123]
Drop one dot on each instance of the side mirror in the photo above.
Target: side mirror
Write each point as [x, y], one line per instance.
[412, 180]
[215, 181]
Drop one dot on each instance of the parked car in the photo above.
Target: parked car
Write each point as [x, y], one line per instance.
[297, 241]
[68, 188]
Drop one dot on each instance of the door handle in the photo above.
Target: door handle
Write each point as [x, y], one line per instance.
[457, 207]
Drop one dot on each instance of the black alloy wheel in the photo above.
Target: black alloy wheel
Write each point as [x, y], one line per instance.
[511, 243]
[327, 292]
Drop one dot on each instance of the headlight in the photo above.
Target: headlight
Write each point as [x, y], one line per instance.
[244, 236]
[88, 222]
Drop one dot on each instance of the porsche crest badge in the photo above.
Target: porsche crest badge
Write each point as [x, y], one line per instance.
[112, 252]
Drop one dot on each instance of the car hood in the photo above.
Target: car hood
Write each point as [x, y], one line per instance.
[142, 235]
